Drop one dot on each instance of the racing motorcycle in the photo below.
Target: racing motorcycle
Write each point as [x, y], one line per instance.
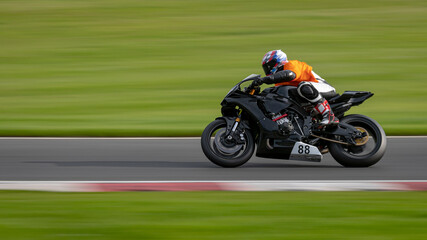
[283, 125]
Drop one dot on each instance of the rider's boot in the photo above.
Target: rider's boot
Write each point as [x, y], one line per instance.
[323, 108]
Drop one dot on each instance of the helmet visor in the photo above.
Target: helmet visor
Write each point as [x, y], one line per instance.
[268, 67]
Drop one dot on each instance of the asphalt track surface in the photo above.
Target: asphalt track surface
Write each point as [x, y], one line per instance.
[182, 159]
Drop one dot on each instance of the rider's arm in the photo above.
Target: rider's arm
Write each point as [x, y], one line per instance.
[282, 76]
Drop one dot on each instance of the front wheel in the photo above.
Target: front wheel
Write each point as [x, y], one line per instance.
[368, 150]
[222, 152]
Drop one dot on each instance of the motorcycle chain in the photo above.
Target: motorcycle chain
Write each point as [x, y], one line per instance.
[331, 140]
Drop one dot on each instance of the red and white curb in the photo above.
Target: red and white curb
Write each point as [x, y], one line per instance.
[125, 186]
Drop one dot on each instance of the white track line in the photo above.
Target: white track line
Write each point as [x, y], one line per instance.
[224, 181]
[113, 186]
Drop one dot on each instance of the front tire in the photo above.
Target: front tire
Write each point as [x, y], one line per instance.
[225, 155]
[370, 152]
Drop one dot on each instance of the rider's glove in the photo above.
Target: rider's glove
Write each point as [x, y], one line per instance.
[258, 82]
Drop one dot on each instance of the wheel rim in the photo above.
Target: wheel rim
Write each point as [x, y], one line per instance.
[223, 146]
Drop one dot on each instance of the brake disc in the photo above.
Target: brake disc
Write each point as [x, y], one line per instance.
[219, 138]
[362, 141]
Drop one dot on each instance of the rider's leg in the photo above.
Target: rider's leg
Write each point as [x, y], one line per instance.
[321, 105]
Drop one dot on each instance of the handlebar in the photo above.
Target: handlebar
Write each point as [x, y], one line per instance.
[253, 87]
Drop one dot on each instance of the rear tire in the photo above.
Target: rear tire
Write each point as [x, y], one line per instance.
[231, 156]
[367, 154]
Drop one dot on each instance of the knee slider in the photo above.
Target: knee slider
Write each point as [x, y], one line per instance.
[308, 91]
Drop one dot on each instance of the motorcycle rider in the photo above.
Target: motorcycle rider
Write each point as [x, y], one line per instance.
[310, 86]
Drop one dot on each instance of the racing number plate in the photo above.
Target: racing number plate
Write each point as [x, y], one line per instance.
[305, 152]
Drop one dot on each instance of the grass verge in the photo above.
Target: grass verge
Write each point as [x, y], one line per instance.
[213, 215]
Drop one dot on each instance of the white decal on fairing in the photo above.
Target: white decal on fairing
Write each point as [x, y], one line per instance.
[303, 151]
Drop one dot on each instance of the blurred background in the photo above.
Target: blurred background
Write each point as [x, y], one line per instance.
[161, 68]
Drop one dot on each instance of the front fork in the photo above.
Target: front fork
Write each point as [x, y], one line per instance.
[234, 133]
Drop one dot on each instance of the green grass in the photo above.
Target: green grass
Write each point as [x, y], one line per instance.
[214, 215]
[161, 68]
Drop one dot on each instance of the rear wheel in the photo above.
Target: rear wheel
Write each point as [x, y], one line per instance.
[368, 150]
[223, 152]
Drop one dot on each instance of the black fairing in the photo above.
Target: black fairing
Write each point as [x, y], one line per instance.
[271, 142]
[353, 97]
[282, 97]
[283, 91]
[342, 103]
